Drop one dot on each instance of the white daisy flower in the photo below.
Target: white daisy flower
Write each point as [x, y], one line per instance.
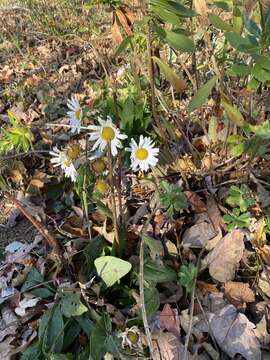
[60, 158]
[75, 114]
[143, 155]
[106, 133]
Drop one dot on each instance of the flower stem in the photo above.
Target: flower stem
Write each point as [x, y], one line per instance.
[113, 203]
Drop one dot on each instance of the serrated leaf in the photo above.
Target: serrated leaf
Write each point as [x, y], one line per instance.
[176, 81]
[158, 273]
[111, 269]
[202, 94]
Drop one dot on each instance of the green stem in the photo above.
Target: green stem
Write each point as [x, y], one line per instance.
[113, 203]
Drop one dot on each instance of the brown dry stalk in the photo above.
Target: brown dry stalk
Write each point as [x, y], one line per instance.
[50, 240]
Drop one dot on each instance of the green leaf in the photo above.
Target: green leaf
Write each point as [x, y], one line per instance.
[111, 269]
[232, 112]
[51, 331]
[102, 341]
[179, 41]
[32, 352]
[242, 44]
[260, 74]
[151, 300]
[177, 82]
[263, 61]
[33, 278]
[155, 246]
[188, 274]
[202, 94]
[104, 208]
[71, 304]
[219, 23]
[158, 273]
[173, 7]
[239, 69]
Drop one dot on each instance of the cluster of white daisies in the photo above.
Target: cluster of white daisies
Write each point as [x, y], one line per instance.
[143, 154]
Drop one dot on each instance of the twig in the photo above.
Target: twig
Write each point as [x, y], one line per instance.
[141, 287]
[34, 152]
[185, 357]
[115, 223]
[51, 241]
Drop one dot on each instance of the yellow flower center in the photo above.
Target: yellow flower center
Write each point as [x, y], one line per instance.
[73, 151]
[78, 114]
[107, 133]
[98, 165]
[67, 163]
[102, 186]
[141, 154]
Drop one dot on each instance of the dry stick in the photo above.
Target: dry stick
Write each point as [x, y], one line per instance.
[185, 357]
[51, 241]
[115, 223]
[152, 80]
[141, 287]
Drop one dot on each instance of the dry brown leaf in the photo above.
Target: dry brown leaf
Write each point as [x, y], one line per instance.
[195, 202]
[167, 347]
[224, 258]
[214, 213]
[116, 33]
[265, 254]
[207, 287]
[201, 7]
[198, 235]
[264, 281]
[123, 21]
[258, 237]
[169, 320]
[238, 293]
[233, 332]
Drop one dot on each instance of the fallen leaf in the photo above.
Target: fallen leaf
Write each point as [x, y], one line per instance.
[206, 287]
[27, 302]
[167, 347]
[214, 213]
[195, 202]
[265, 253]
[233, 332]
[169, 320]
[9, 323]
[198, 235]
[264, 282]
[258, 237]
[224, 258]
[238, 293]
[261, 331]
[201, 7]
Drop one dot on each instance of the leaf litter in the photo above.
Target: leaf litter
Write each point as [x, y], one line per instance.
[88, 301]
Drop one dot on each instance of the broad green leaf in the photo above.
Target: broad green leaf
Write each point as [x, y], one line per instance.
[260, 74]
[263, 61]
[232, 113]
[32, 352]
[219, 23]
[166, 16]
[71, 304]
[155, 246]
[33, 278]
[151, 300]
[177, 82]
[202, 94]
[102, 340]
[179, 41]
[174, 7]
[242, 44]
[111, 269]
[51, 330]
[158, 273]
[239, 69]
[72, 331]
[224, 5]
[60, 357]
